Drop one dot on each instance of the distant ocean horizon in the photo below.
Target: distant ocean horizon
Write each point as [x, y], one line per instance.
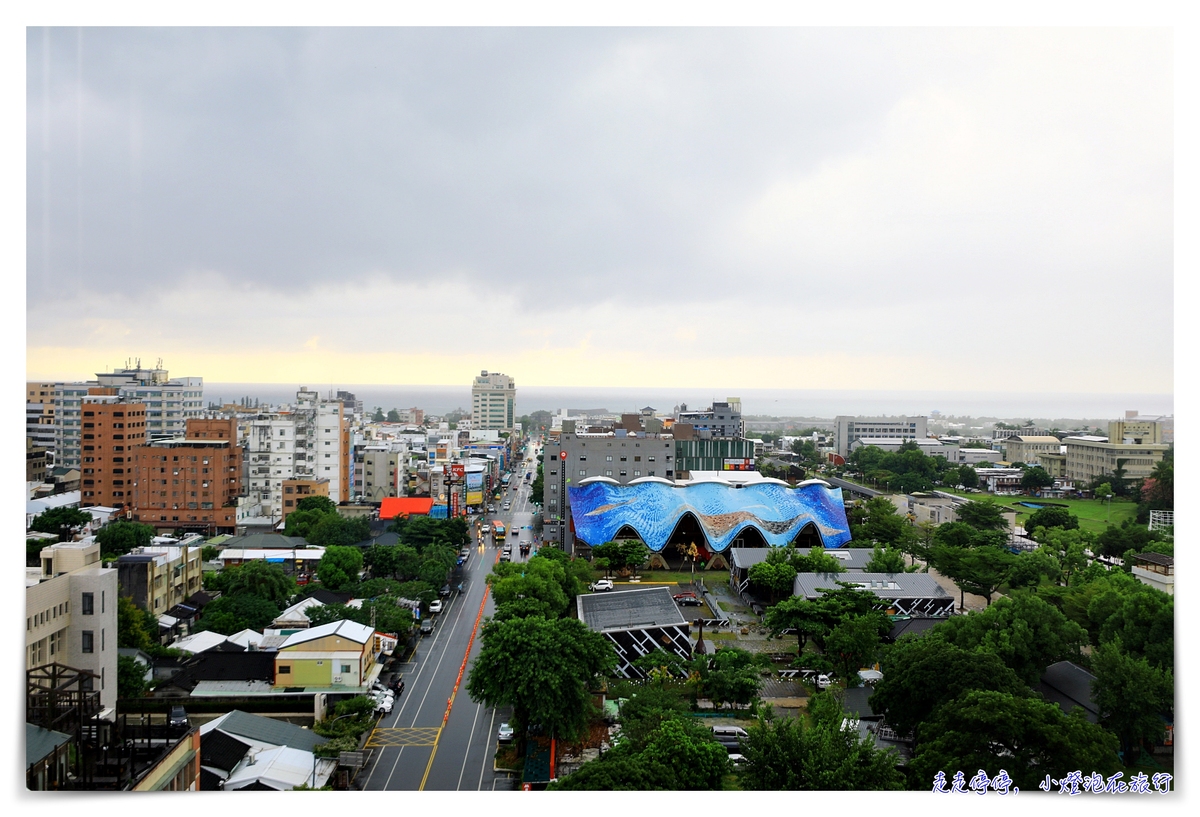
[806, 403]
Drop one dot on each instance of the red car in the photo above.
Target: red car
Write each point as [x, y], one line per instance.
[687, 599]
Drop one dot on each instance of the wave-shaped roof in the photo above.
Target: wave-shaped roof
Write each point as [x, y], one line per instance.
[654, 509]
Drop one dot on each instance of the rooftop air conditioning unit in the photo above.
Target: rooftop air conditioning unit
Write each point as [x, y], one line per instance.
[337, 679]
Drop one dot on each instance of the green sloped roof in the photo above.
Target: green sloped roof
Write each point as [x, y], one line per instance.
[40, 742]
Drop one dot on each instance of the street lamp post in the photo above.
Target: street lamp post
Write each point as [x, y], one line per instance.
[1108, 510]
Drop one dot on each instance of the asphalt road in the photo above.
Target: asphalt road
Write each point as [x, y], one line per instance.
[437, 739]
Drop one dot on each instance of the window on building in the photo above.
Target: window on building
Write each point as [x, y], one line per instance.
[284, 669]
[608, 472]
[89, 639]
[345, 668]
[88, 604]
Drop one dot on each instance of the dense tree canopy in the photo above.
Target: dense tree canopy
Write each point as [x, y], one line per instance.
[623, 555]
[543, 668]
[339, 566]
[122, 536]
[982, 514]
[1133, 697]
[783, 754]
[259, 578]
[60, 521]
[231, 614]
[1026, 736]
[921, 674]
[1051, 516]
[1025, 632]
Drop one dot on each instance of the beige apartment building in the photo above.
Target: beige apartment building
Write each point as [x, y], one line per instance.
[71, 615]
[159, 577]
[1026, 449]
[1088, 457]
[1140, 432]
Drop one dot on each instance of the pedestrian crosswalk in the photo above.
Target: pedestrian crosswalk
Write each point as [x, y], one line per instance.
[412, 736]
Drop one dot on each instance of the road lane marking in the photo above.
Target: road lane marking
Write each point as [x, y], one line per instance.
[457, 683]
[412, 736]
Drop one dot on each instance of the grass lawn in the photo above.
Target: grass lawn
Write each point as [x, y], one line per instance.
[1092, 513]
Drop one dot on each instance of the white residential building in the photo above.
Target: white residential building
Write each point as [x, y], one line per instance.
[311, 440]
[848, 429]
[493, 402]
[169, 403]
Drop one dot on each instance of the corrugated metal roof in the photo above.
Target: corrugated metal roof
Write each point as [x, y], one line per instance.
[267, 730]
[627, 609]
[884, 585]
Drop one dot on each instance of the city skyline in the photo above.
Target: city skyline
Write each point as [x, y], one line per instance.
[759, 208]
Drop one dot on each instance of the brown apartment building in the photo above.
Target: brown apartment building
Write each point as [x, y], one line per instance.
[191, 483]
[110, 431]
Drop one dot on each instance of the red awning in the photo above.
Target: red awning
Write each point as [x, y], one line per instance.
[394, 506]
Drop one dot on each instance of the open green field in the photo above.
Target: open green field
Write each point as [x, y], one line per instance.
[1094, 515]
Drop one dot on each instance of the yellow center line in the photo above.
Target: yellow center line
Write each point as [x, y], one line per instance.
[454, 693]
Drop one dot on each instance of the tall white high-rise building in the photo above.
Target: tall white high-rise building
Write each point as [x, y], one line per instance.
[169, 403]
[493, 402]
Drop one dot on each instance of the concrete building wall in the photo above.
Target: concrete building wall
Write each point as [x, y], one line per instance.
[848, 429]
[493, 401]
[1026, 449]
[1090, 457]
[59, 630]
[622, 459]
[193, 481]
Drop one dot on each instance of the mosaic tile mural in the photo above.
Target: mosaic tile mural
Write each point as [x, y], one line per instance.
[653, 509]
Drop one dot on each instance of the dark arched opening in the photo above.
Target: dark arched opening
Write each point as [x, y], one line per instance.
[808, 537]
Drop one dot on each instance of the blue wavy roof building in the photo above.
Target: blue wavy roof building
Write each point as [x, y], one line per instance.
[654, 508]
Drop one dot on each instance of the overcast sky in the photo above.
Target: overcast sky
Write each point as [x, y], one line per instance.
[976, 209]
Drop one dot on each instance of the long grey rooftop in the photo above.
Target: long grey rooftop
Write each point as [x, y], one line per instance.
[628, 609]
[884, 585]
[851, 558]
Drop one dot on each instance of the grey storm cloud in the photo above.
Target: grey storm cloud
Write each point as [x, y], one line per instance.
[830, 170]
[290, 157]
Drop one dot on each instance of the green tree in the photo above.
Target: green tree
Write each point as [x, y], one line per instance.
[231, 614]
[1033, 567]
[1116, 541]
[817, 560]
[1027, 737]
[979, 570]
[537, 488]
[802, 616]
[393, 416]
[260, 578]
[1052, 516]
[728, 676]
[538, 579]
[968, 477]
[623, 555]
[209, 553]
[122, 536]
[544, 669]
[854, 642]
[339, 566]
[886, 560]
[921, 674]
[1036, 477]
[335, 529]
[301, 523]
[777, 579]
[131, 677]
[1025, 632]
[33, 552]
[783, 754]
[321, 504]
[1132, 697]
[685, 754]
[1103, 491]
[1143, 621]
[883, 524]
[982, 514]
[378, 416]
[133, 626]
[62, 522]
